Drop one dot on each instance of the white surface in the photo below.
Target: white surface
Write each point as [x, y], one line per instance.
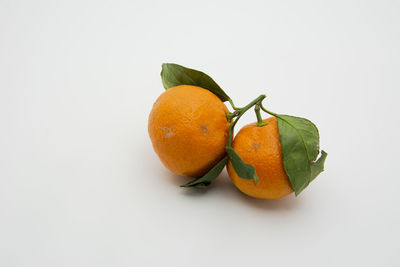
[81, 186]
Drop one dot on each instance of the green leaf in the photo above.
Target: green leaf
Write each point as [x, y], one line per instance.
[209, 176]
[318, 166]
[243, 170]
[174, 75]
[300, 149]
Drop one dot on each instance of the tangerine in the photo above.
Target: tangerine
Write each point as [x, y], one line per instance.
[188, 128]
[260, 146]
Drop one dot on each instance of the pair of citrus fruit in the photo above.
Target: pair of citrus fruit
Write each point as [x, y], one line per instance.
[189, 130]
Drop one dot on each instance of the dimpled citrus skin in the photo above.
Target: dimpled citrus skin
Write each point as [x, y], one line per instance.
[189, 129]
[261, 147]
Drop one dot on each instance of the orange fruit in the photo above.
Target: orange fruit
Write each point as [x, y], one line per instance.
[261, 147]
[188, 128]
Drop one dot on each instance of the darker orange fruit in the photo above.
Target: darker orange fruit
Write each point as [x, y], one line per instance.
[188, 128]
[261, 147]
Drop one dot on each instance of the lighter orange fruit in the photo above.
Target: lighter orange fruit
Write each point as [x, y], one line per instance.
[189, 129]
[261, 147]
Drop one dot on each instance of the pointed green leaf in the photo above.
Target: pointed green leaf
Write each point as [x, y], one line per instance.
[318, 166]
[243, 170]
[209, 176]
[174, 75]
[300, 149]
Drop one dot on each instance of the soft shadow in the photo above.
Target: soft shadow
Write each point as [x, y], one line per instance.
[289, 202]
[223, 186]
[178, 180]
[174, 179]
[195, 191]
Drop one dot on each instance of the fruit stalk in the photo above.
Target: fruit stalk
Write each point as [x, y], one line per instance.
[239, 113]
[260, 122]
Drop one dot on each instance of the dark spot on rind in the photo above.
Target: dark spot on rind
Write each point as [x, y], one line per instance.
[256, 146]
[204, 129]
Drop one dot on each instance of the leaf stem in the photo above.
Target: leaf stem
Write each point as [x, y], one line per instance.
[233, 105]
[269, 112]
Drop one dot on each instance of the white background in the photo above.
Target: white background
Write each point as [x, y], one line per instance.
[80, 184]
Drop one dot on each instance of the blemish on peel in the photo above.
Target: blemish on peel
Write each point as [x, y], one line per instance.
[204, 129]
[168, 135]
[168, 131]
[256, 146]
